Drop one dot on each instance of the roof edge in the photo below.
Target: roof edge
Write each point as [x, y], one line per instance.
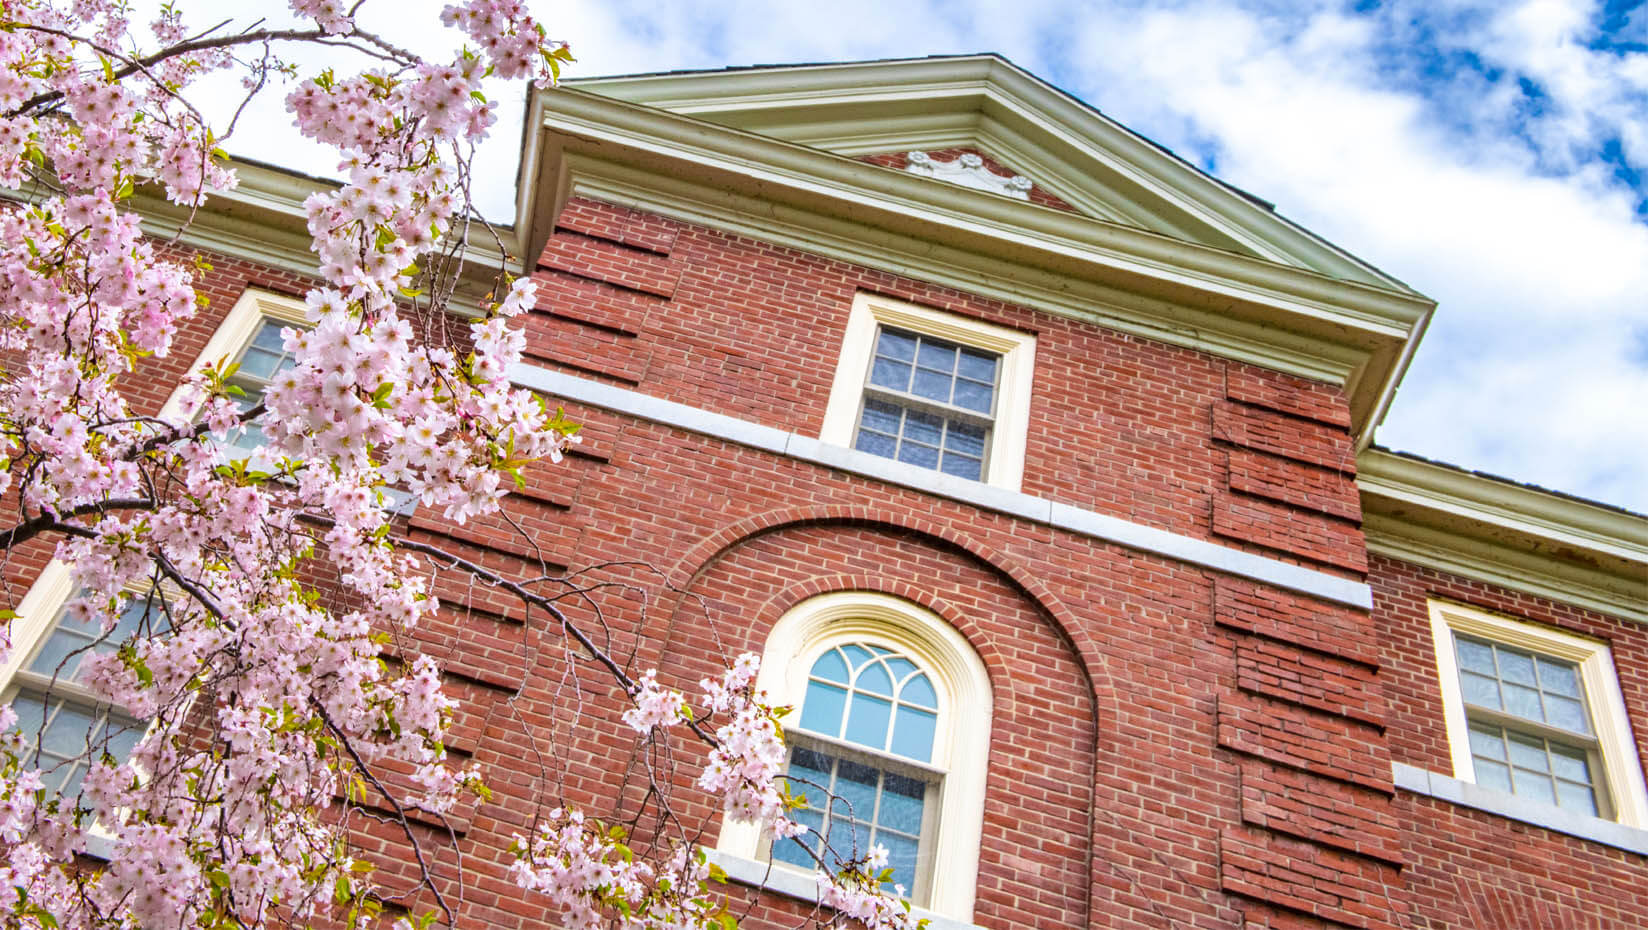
[1554, 545]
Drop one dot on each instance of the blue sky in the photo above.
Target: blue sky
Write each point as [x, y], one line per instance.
[1493, 155]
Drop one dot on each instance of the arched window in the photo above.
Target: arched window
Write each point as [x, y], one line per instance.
[892, 721]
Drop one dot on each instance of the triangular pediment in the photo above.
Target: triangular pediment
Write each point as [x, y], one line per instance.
[1071, 156]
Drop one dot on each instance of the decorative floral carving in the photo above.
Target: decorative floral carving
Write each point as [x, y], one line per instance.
[968, 170]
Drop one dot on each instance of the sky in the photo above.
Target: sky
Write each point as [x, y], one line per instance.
[1492, 155]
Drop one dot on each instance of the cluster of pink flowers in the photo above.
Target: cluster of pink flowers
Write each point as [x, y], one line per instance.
[597, 880]
[743, 768]
[266, 687]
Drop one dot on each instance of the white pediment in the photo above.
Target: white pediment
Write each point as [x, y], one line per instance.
[1060, 145]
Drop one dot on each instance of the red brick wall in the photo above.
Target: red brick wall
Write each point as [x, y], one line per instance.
[1473, 869]
[1170, 748]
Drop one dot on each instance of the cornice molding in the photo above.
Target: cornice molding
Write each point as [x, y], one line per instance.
[1180, 292]
[1507, 534]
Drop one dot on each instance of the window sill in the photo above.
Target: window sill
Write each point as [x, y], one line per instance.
[794, 884]
[1465, 794]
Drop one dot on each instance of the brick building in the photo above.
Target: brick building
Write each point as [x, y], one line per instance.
[1037, 464]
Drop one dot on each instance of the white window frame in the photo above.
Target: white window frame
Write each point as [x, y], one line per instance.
[236, 331]
[961, 744]
[1622, 779]
[1004, 457]
[36, 617]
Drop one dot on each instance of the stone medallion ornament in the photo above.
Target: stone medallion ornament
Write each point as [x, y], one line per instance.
[969, 171]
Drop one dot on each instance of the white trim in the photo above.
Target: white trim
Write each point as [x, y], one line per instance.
[1010, 430]
[961, 746]
[35, 615]
[1453, 790]
[1622, 768]
[791, 883]
[1187, 549]
[236, 330]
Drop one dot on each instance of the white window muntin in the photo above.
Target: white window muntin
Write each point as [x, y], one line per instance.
[1009, 421]
[1620, 790]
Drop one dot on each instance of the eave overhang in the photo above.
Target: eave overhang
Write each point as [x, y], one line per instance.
[1507, 534]
[1256, 310]
[263, 220]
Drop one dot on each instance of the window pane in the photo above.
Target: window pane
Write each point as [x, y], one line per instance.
[856, 655]
[881, 416]
[966, 439]
[973, 395]
[69, 732]
[890, 374]
[1570, 764]
[1578, 798]
[1493, 775]
[1476, 656]
[1558, 678]
[1533, 786]
[876, 444]
[919, 690]
[1489, 743]
[979, 366]
[1515, 667]
[1529, 753]
[1483, 692]
[913, 735]
[896, 344]
[1566, 713]
[933, 385]
[937, 356]
[822, 710]
[868, 724]
[831, 667]
[855, 791]
[1523, 702]
[918, 455]
[874, 679]
[903, 801]
[901, 858]
[900, 667]
[962, 466]
[923, 428]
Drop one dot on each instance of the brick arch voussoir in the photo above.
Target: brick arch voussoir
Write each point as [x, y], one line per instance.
[710, 550]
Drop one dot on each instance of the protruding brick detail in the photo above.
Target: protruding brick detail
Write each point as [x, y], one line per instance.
[1322, 744]
[1312, 400]
[1309, 487]
[1327, 812]
[1343, 888]
[1310, 679]
[1289, 437]
[493, 535]
[565, 342]
[611, 263]
[616, 309]
[1274, 526]
[623, 225]
[1326, 628]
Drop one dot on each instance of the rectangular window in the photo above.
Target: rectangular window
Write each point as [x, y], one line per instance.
[1530, 733]
[63, 724]
[933, 390]
[1537, 713]
[929, 403]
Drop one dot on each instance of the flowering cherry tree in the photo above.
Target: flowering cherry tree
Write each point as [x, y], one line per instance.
[273, 582]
